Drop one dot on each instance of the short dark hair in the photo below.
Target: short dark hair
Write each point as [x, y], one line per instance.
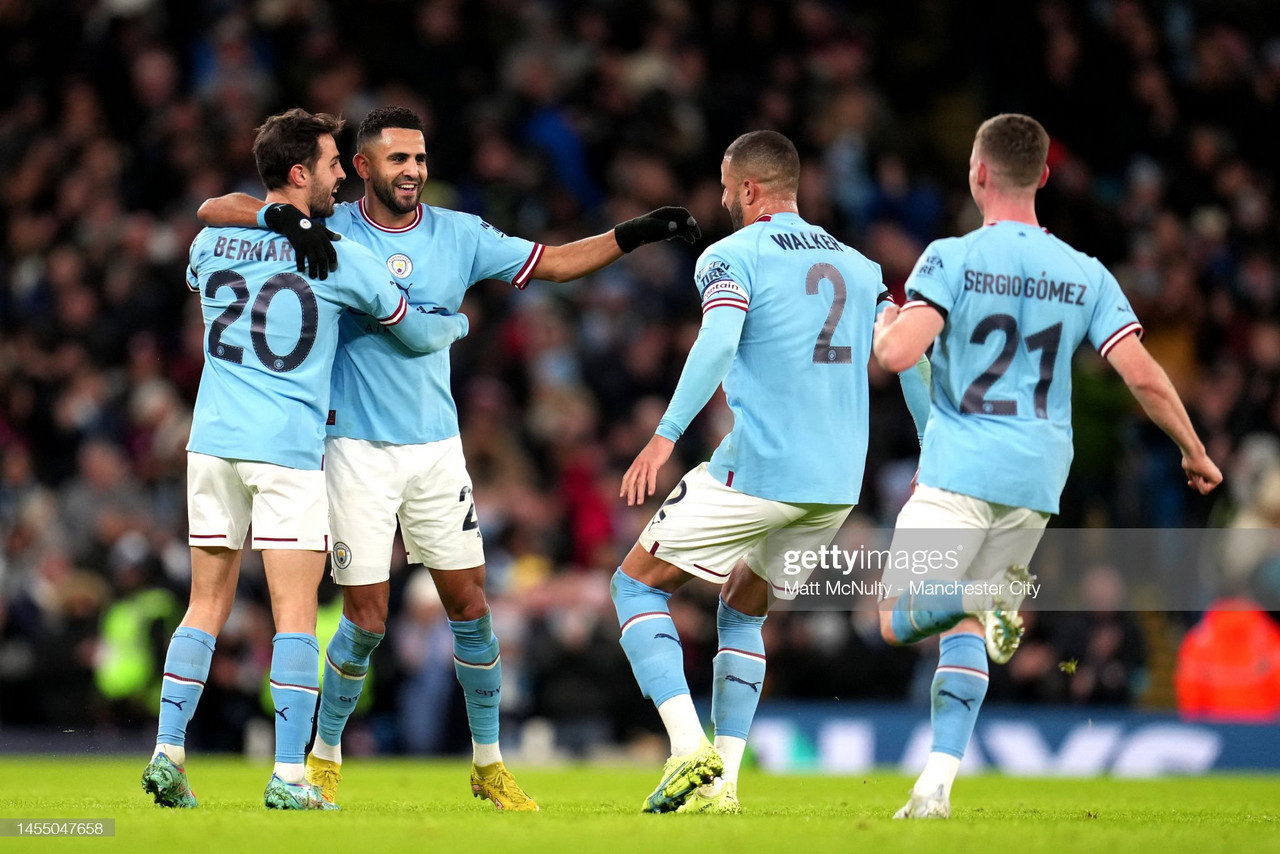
[1017, 145]
[767, 156]
[386, 117]
[289, 138]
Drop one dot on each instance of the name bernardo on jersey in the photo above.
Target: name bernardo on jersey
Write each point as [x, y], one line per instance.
[247, 250]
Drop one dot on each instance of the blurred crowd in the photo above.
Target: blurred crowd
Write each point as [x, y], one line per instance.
[553, 120]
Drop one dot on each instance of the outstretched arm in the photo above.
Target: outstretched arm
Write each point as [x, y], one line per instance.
[1150, 385]
[583, 257]
[312, 242]
[709, 361]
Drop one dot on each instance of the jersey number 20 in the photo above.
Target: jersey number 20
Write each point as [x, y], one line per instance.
[277, 362]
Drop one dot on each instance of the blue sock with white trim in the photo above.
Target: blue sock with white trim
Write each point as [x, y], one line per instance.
[649, 638]
[478, 664]
[295, 686]
[959, 686]
[186, 669]
[918, 617]
[739, 672]
[346, 661]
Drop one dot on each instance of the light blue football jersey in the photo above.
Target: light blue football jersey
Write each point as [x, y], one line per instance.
[1018, 302]
[798, 383]
[382, 391]
[270, 339]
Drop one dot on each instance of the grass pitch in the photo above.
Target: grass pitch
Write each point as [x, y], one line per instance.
[413, 806]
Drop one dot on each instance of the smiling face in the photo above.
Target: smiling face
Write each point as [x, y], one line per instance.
[324, 179]
[394, 164]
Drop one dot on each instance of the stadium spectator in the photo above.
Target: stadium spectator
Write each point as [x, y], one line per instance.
[1229, 665]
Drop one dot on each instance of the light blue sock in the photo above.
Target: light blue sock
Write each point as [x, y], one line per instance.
[346, 661]
[918, 617]
[649, 638]
[959, 684]
[295, 684]
[186, 668]
[478, 664]
[739, 671]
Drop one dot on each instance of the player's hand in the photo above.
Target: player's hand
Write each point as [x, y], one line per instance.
[641, 479]
[1202, 473]
[886, 318]
[662, 224]
[312, 242]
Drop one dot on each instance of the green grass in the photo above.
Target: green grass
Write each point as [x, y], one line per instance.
[426, 807]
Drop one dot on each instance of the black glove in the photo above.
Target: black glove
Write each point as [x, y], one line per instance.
[312, 242]
[662, 224]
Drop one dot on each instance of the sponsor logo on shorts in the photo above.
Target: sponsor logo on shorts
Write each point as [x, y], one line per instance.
[341, 555]
[400, 265]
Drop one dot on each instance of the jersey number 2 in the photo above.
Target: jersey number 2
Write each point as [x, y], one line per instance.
[258, 319]
[1046, 341]
[823, 352]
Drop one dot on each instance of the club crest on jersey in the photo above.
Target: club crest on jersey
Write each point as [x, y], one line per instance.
[341, 555]
[400, 265]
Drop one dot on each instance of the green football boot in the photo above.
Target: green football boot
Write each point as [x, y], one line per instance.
[720, 797]
[294, 796]
[167, 782]
[681, 775]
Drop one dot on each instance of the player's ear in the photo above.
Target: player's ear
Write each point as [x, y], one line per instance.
[752, 191]
[362, 165]
[299, 175]
[1044, 177]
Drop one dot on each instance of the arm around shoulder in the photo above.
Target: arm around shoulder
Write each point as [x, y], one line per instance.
[233, 209]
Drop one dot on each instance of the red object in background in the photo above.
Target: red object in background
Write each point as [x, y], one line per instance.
[1229, 665]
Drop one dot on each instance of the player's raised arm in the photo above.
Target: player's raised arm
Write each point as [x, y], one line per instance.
[709, 361]
[1151, 386]
[312, 242]
[583, 257]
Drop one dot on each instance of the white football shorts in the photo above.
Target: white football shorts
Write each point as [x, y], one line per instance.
[288, 507]
[978, 539]
[705, 528]
[426, 487]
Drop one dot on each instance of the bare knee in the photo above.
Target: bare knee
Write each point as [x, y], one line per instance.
[471, 606]
[746, 592]
[652, 571]
[366, 606]
[462, 593]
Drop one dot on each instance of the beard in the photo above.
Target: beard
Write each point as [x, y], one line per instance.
[735, 214]
[321, 203]
[386, 193]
